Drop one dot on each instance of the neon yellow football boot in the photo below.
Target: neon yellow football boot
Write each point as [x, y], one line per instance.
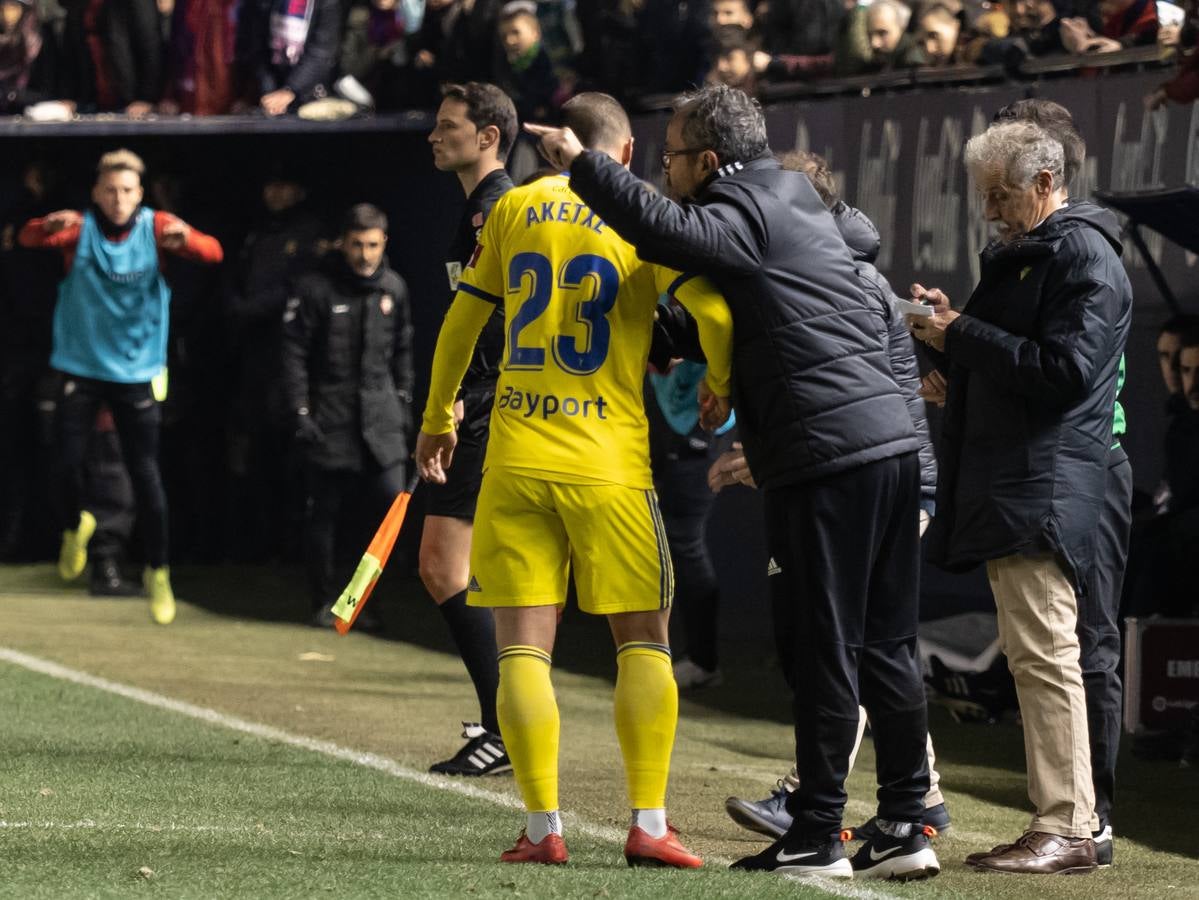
[72, 557]
[162, 598]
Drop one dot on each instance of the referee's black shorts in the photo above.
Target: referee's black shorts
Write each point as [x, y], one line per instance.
[457, 497]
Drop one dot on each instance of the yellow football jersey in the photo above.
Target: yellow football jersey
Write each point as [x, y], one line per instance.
[578, 309]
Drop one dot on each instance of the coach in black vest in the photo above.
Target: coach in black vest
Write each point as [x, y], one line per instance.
[828, 438]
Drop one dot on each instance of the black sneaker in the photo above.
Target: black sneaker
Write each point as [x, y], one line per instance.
[794, 856]
[1105, 847]
[901, 858]
[768, 817]
[936, 816]
[107, 581]
[482, 754]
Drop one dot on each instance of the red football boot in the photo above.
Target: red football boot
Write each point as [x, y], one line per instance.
[642, 850]
[551, 850]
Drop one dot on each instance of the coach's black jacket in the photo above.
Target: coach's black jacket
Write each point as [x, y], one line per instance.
[347, 358]
[811, 381]
[1032, 365]
[863, 241]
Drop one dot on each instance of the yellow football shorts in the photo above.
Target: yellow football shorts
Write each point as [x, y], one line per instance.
[529, 534]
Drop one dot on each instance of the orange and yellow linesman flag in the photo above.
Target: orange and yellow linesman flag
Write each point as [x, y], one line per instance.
[354, 597]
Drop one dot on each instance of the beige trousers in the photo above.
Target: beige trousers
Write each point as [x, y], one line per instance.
[1038, 614]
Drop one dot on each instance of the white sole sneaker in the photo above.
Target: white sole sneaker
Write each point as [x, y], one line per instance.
[911, 867]
[839, 869]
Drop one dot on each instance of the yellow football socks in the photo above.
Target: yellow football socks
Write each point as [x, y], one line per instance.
[528, 714]
[647, 711]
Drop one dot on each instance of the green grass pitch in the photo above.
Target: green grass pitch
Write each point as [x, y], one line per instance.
[264, 759]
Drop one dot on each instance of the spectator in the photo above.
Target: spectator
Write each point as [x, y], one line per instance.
[673, 41]
[1032, 375]
[612, 56]
[110, 340]
[1182, 433]
[1169, 344]
[1125, 23]
[200, 58]
[26, 57]
[1035, 30]
[526, 73]
[939, 31]
[732, 12]
[112, 55]
[1161, 563]
[374, 48]
[891, 45]
[287, 51]
[733, 58]
[801, 27]
[456, 42]
[283, 245]
[1183, 87]
[347, 363]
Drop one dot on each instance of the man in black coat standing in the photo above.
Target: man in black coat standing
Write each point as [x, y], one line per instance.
[1032, 366]
[347, 362]
[828, 439]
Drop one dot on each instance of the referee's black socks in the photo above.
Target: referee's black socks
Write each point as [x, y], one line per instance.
[473, 629]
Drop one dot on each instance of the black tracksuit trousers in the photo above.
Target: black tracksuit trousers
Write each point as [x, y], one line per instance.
[845, 552]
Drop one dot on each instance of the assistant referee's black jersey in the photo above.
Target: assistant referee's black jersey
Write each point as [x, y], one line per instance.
[485, 364]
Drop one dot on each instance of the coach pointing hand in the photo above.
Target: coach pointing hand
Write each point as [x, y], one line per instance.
[558, 145]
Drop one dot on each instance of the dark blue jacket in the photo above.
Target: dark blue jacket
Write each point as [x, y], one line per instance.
[812, 383]
[1032, 367]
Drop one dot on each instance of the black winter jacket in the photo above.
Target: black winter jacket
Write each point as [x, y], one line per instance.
[1032, 366]
[812, 383]
[347, 358]
[863, 241]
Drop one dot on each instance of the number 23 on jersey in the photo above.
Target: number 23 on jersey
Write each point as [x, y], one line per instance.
[586, 284]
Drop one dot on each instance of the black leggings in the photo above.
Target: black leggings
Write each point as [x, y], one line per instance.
[138, 419]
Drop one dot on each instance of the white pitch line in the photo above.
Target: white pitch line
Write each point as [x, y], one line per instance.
[357, 757]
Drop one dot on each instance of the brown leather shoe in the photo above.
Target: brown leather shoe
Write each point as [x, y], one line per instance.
[1038, 853]
[974, 858]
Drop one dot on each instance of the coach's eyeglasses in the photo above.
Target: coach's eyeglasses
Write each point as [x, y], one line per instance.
[667, 155]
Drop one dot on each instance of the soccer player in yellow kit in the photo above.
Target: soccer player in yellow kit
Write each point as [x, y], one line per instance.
[567, 482]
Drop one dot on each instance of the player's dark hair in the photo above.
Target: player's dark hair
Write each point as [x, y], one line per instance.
[1057, 122]
[486, 106]
[816, 168]
[725, 120]
[598, 121]
[364, 217]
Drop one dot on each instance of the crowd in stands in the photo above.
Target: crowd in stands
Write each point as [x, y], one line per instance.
[59, 58]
